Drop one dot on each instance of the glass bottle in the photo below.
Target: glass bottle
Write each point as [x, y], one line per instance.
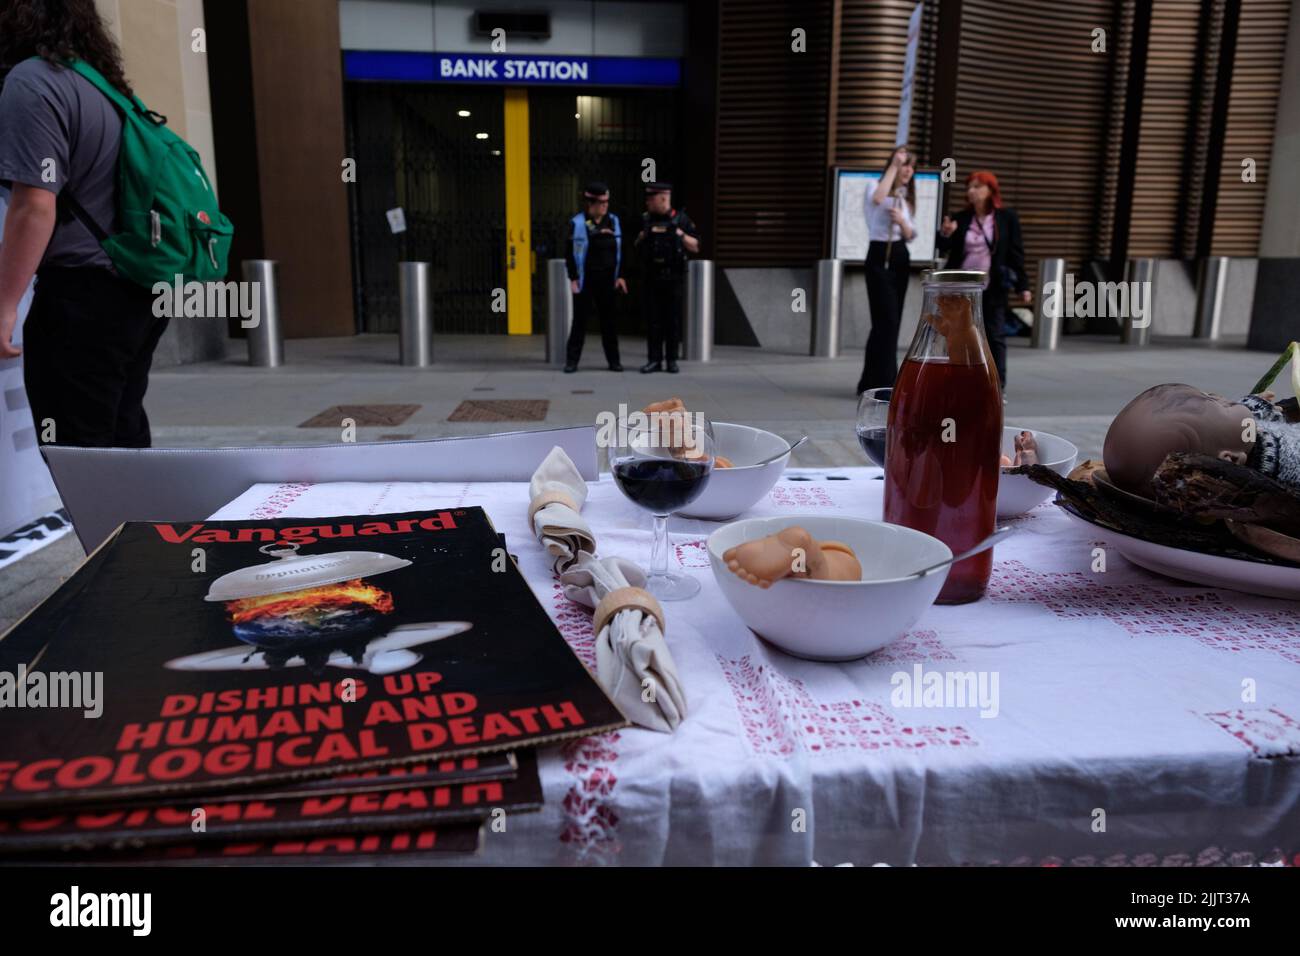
[945, 430]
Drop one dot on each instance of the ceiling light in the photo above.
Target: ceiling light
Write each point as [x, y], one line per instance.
[480, 135]
[462, 112]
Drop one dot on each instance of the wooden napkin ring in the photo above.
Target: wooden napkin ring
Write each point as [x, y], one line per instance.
[621, 599]
[548, 498]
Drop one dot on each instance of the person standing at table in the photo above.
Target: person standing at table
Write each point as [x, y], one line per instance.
[986, 236]
[891, 207]
[90, 336]
[667, 235]
[595, 259]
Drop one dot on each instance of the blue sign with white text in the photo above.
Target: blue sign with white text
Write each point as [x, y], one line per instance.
[501, 68]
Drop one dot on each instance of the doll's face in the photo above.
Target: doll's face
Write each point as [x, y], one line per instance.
[1168, 419]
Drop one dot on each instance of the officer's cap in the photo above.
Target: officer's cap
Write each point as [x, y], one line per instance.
[652, 188]
[596, 190]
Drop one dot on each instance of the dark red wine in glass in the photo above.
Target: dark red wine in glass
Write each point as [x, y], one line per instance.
[661, 486]
[872, 441]
[663, 470]
[873, 423]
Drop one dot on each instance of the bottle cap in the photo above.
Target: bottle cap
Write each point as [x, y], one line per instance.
[951, 276]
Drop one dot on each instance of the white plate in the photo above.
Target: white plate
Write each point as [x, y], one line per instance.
[1252, 577]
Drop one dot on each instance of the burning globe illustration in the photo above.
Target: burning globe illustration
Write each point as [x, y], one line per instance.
[327, 612]
[315, 611]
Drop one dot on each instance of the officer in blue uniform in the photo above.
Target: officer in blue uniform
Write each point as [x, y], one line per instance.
[666, 236]
[595, 258]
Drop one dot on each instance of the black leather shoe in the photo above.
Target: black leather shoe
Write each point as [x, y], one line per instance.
[652, 367]
[616, 367]
[570, 368]
[672, 367]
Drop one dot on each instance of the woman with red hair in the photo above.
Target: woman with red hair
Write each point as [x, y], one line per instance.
[986, 236]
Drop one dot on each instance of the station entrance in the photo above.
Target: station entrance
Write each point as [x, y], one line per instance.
[487, 179]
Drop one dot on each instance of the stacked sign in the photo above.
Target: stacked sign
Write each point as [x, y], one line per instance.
[283, 690]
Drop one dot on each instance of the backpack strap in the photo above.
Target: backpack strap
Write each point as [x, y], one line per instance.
[66, 200]
[96, 79]
[69, 204]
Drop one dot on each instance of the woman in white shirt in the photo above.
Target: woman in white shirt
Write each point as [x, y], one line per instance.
[889, 208]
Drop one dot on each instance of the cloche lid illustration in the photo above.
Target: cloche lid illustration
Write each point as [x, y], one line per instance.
[291, 571]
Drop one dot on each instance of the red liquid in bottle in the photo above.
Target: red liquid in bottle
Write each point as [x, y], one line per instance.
[948, 489]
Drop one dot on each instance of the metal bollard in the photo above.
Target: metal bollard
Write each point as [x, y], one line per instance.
[1211, 284]
[826, 319]
[415, 334]
[265, 342]
[1046, 333]
[559, 311]
[699, 310]
[1142, 271]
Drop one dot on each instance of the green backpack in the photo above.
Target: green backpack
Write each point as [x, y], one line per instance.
[167, 214]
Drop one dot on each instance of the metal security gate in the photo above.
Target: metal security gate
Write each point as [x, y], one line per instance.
[415, 151]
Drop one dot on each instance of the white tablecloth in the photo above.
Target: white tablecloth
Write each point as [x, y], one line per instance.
[1139, 721]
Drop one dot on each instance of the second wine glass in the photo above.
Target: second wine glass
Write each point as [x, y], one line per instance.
[873, 422]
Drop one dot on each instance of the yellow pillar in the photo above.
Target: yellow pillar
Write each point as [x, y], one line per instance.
[519, 250]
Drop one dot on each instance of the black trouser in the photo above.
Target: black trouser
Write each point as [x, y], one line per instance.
[662, 304]
[87, 347]
[886, 290]
[994, 306]
[596, 298]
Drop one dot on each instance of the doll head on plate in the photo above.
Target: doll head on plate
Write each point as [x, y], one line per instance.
[1172, 418]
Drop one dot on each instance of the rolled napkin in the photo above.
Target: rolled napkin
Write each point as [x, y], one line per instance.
[633, 662]
[556, 495]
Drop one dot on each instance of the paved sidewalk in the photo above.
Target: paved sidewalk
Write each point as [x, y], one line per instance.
[1073, 392]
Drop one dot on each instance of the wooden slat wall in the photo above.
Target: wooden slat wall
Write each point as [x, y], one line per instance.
[1200, 118]
[1120, 45]
[1032, 106]
[873, 46]
[1170, 93]
[770, 205]
[1252, 110]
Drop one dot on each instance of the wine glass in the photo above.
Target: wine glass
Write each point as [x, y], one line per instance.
[873, 422]
[663, 470]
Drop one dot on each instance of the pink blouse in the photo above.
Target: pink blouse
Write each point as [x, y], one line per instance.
[978, 254]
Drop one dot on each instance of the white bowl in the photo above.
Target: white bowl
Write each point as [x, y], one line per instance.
[730, 491]
[1016, 493]
[835, 620]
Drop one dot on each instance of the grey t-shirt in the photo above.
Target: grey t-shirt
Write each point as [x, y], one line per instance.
[51, 113]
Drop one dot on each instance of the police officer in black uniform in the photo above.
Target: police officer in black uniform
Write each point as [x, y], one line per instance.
[595, 259]
[667, 236]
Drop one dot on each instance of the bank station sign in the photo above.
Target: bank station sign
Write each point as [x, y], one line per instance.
[500, 68]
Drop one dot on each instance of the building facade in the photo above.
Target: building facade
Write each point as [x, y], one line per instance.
[1118, 128]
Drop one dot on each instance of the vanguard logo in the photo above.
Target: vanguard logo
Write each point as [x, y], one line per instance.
[306, 534]
[209, 300]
